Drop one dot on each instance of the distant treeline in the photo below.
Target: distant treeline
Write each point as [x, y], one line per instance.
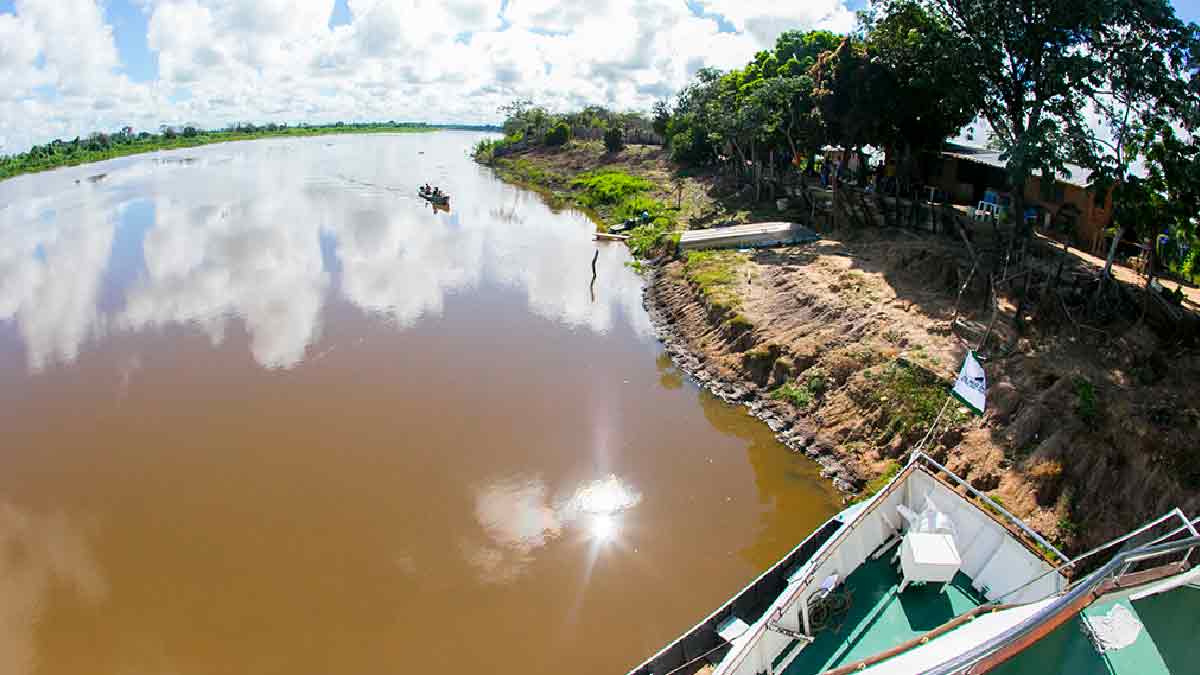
[101, 146]
[527, 125]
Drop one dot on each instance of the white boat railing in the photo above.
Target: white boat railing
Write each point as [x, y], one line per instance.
[1067, 599]
[918, 455]
[1188, 525]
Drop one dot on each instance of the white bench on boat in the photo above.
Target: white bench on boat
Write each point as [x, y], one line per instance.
[928, 557]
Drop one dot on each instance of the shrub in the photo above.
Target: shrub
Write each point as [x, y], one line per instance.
[1086, 404]
[634, 207]
[804, 391]
[644, 240]
[558, 134]
[614, 139]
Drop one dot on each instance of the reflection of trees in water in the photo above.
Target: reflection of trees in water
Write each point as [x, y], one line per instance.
[507, 214]
[791, 493]
[669, 377]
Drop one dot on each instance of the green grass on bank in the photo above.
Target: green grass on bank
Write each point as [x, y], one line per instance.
[910, 398]
[609, 196]
[715, 274]
[805, 390]
[99, 147]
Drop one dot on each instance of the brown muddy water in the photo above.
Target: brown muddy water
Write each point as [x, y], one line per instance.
[263, 411]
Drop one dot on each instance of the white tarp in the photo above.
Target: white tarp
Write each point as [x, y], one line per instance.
[971, 385]
[1117, 629]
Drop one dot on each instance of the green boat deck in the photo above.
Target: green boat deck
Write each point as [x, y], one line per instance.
[879, 618]
[1166, 646]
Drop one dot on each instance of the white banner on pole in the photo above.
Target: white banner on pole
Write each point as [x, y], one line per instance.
[971, 385]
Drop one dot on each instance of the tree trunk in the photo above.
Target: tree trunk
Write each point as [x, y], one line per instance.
[755, 171]
[771, 175]
[1108, 263]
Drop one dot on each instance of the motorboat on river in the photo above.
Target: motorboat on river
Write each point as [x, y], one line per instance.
[433, 196]
[931, 576]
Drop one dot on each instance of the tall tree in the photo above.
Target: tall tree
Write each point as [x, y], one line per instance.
[1040, 61]
[1140, 92]
[933, 95]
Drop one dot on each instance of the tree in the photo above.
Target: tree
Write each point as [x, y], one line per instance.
[1141, 90]
[558, 134]
[614, 139]
[848, 89]
[932, 96]
[661, 115]
[1039, 61]
[689, 130]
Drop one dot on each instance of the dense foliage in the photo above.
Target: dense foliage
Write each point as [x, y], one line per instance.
[614, 139]
[558, 134]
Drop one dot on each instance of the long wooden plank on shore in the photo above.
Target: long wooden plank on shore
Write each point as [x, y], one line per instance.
[748, 235]
[611, 237]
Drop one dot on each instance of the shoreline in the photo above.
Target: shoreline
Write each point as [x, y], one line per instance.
[204, 139]
[846, 348]
[794, 432]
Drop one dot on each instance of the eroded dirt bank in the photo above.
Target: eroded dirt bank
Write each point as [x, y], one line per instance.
[847, 349]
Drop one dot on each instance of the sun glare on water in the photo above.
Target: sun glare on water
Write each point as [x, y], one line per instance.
[600, 503]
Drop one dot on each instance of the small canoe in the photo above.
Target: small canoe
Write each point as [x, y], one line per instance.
[434, 199]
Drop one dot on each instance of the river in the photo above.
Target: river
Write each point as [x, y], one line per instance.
[264, 411]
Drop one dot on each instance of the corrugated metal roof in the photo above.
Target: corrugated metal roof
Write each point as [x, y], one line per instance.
[1078, 175]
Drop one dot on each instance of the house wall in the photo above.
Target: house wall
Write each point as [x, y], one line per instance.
[1093, 219]
[965, 182]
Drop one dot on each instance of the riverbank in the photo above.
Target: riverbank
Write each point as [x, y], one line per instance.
[846, 349]
[59, 154]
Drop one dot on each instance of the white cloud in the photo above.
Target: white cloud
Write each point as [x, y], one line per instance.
[76, 42]
[222, 61]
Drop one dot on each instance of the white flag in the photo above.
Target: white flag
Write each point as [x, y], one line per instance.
[971, 385]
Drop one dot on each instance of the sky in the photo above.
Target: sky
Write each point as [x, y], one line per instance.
[70, 67]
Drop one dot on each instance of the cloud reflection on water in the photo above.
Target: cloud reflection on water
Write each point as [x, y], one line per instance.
[238, 235]
[39, 553]
[50, 272]
[518, 517]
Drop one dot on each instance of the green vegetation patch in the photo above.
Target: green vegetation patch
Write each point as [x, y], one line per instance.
[1086, 404]
[909, 397]
[646, 240]
[804, 391]
[100, 146]
[715, 273]
[608, 187]
[531, 173]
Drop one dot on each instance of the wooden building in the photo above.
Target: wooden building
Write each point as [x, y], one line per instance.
[965, 174]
